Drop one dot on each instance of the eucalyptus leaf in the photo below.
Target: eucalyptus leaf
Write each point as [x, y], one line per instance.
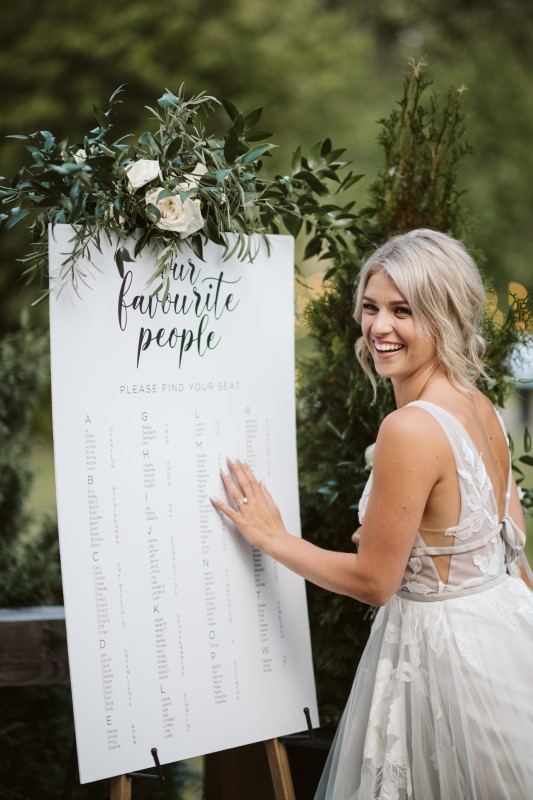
[14, 219]
[333, 155]
[229, 108]
[149, 140]
[252, 119]
[313, 182]
[350, 181]
[238, 124]
[296, 163]
[313, 247]
[257, 135]
[168, 100]
[174, 147]
[231, 146]
[165, 193]
[153, 211]
[101, 117]
[256, 152]
[197, 246]
[315, 156]
[118, 90]
[527, 440]
[293, 224]
[66, 169]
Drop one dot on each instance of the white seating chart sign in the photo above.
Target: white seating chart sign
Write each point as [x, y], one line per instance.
[180, 635]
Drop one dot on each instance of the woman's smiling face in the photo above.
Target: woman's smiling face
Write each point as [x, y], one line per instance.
[398, 349]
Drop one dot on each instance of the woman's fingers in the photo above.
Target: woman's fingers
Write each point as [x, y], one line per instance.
[241, 484]
[232, 490]
[220, 505]
[245, 478]
[254, 513]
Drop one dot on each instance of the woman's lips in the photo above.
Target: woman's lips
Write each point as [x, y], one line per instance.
[388, 349]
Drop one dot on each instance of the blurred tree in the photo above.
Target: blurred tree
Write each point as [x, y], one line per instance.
[29, 551]
[319, 68]
[486, 45]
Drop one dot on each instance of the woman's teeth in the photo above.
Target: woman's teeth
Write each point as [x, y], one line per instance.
[386, 348]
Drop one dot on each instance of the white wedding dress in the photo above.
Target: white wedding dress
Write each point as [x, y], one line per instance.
[442, 703]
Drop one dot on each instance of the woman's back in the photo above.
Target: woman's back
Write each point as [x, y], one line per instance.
[459, 545]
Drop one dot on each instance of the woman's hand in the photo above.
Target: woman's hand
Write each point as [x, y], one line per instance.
[355, 538]
[255, 515]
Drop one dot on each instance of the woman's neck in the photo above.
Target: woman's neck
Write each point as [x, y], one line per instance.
[413, 388]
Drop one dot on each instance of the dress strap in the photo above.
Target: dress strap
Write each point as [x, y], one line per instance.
[432, 597]
[454, 548]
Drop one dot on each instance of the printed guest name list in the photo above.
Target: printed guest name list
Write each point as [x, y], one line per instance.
[181, 636]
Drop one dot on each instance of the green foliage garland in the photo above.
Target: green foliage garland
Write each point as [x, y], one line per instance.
[179, 183]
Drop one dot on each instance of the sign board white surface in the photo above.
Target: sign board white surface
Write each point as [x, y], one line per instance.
[180, 635]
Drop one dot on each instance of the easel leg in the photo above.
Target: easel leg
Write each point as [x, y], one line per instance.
[120, 788]
[280, 771]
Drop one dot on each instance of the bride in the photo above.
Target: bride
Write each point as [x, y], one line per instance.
[442, 703]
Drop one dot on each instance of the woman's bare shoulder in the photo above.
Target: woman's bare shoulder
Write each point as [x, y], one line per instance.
[410, 435]
[409, 422]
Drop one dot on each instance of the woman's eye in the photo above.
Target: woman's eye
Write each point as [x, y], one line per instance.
[403, 310]
[369, 307]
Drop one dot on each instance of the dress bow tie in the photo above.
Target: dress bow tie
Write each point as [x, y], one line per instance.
[515, 540]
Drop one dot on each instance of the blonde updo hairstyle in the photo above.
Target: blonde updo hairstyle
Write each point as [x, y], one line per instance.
[445, 292]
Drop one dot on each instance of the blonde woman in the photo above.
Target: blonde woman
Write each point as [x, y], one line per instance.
[442, 702]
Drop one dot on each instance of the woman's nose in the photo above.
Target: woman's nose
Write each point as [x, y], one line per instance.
[382, 322]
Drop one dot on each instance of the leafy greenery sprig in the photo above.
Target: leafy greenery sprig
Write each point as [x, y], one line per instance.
[178, 183]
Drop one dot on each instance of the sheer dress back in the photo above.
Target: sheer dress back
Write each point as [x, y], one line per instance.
[481, 545]
[442, 703]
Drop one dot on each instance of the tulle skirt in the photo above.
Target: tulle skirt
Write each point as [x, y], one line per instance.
[442, 703]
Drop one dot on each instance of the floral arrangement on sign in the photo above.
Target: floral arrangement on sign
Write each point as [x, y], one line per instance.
[176, 184]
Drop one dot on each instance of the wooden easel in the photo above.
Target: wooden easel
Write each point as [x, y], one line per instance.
[280, 770]
[277, 761]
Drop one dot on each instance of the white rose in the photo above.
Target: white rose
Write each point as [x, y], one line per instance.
[179, 216]
[142, 171]
[369, 456]
[80, 156]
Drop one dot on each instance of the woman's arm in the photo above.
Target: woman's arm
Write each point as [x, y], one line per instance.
[403, 475]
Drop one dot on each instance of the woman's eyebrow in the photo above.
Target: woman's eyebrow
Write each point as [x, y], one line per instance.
[397, 302]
